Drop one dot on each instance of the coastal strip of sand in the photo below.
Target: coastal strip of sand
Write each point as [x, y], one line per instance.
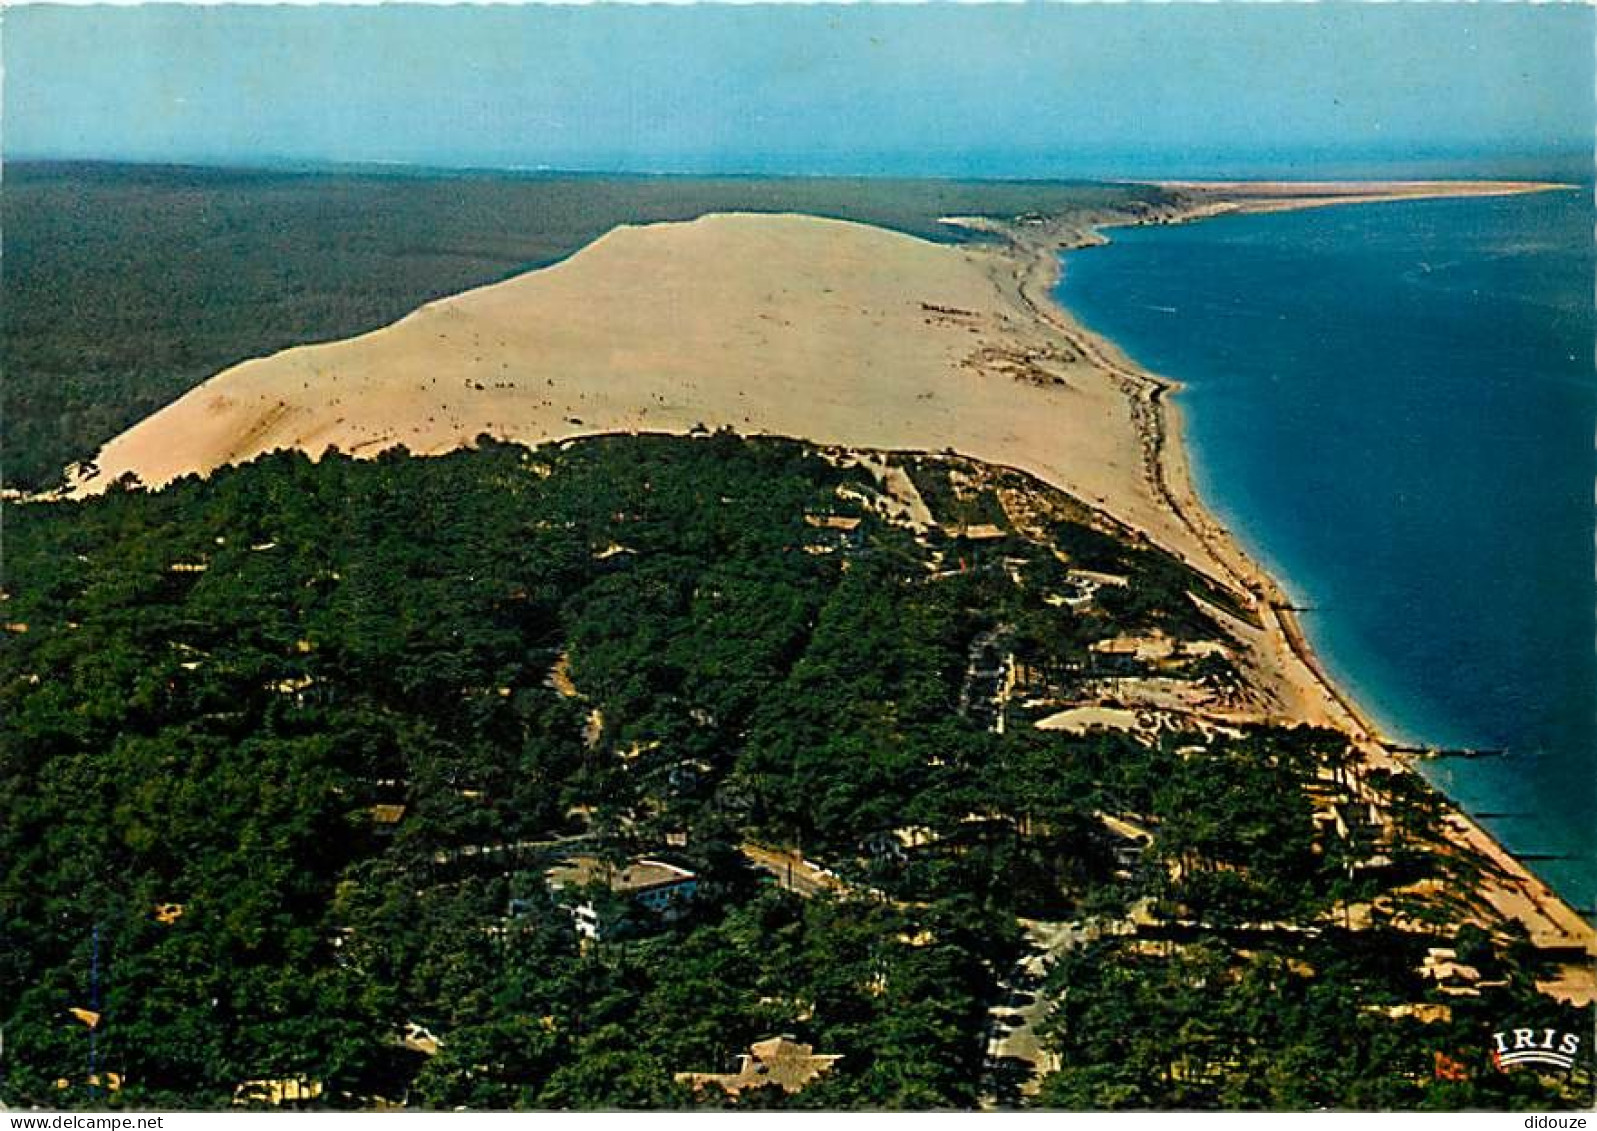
[836, 332]
[1510, 889]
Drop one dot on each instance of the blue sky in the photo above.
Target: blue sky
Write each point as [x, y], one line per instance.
[1034, 90]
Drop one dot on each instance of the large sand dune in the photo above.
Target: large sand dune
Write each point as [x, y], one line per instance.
[793, 325]
[832, 331]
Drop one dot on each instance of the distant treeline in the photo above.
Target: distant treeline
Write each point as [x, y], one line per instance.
[126, 285]
[287, 752]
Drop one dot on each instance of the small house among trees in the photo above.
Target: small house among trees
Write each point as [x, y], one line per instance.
[652, 887]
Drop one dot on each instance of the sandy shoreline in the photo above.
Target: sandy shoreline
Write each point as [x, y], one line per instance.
[1512, 889]
[835, 332]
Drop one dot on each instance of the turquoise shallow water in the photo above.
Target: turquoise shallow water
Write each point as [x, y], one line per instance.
[1393, 407]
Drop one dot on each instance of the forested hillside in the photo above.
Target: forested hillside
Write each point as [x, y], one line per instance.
[288, 756]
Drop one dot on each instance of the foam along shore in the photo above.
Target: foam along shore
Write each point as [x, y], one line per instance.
[790, 325]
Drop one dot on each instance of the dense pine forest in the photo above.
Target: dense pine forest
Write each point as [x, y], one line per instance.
[290, 756]
[127, 285]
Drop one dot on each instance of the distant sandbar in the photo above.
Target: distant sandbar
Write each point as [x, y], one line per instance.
[1284, 196]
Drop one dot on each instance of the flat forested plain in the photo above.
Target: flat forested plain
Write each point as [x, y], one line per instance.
[288, 751]
[124, 286]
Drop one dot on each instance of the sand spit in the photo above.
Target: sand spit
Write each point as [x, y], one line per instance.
[1285, 196]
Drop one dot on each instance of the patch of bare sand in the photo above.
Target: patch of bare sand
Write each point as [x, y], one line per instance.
[781, 324]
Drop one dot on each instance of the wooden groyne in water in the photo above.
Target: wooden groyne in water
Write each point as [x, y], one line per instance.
[1429, 753]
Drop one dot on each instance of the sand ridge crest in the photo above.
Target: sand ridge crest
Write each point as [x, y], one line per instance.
[776, 323]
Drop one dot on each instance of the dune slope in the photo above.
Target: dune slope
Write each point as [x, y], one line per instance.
[785, 324]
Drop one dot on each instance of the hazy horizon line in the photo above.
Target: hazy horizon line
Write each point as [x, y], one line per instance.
[1552, 163]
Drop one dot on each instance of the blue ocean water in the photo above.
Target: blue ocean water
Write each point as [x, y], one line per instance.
[1393, 406]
